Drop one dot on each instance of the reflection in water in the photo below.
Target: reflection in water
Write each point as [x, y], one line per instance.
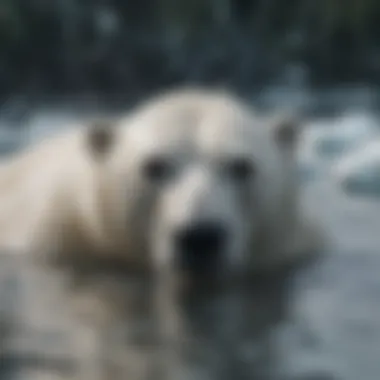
[229, 335]
[114, 333]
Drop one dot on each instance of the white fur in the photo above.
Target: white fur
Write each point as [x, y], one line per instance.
[58, 198]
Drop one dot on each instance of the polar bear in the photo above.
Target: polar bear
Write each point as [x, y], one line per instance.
[191, 185]
[192, 179]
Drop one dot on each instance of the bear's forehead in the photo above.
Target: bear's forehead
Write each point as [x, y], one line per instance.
[213, 128]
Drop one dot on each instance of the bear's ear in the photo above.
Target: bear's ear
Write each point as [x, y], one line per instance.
[100, 137]
[287, 129]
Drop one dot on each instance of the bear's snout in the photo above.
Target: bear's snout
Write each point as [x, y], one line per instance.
[199, 247]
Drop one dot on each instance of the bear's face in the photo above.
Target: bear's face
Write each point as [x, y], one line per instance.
[199, 178]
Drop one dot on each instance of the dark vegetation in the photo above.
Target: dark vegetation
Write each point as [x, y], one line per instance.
[135, 46]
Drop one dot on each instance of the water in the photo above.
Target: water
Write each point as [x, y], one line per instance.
[328, 325]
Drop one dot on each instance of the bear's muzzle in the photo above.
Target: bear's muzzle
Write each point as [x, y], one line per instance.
[199, 247]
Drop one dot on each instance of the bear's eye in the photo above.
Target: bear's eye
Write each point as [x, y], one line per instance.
[240, 170]
[157, 169]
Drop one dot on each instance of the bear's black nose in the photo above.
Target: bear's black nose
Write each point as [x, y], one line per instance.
[199, 246]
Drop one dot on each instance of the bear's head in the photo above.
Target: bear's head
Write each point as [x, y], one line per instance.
[194, 178]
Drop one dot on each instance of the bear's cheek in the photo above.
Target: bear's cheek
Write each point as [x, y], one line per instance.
[136, 206]
[158, 234]
[249, 205]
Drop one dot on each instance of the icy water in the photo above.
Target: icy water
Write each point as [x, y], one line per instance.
[326, 327]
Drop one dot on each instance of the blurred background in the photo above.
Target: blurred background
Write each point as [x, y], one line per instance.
[65, 60]
[112, 49]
